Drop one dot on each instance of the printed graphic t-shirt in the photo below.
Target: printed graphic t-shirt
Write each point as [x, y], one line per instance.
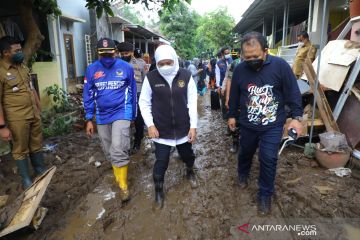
[262, 95]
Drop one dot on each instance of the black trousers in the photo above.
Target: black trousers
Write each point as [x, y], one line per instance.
[162, 154]
[139, 127]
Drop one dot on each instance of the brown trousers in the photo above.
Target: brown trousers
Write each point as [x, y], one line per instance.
[26, 137]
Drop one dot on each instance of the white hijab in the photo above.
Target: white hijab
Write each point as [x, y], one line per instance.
[167, 52]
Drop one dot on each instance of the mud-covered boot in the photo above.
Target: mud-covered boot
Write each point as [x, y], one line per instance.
[121, 178]
[191, 176]
[243, 182]
[264, 205]
[235, 147]
[159, 192]
[23, 167]
[37, 161]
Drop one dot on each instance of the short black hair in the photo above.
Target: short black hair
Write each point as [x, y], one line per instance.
[247, 40]
[304, 34]
[223, 49]
[6, 42]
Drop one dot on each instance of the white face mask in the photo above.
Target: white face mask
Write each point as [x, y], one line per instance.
[227, 56]
[166, 70]
[301, 44]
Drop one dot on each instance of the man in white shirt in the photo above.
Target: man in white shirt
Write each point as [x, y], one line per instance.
[170, 123]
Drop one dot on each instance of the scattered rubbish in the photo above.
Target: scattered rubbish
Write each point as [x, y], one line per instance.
[49, 147]
[333, 141]
[324, 190]
[59, 159]
[293, 182]
[3, 200]
[29, 212]
[100, 214]
[97, 164]
[341, 172]
[109, 196]
[91, 159]
[39, 217]
[309, 150]
[332, 159]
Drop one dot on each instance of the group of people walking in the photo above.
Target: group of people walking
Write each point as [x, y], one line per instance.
[254, 90]
[120, 90]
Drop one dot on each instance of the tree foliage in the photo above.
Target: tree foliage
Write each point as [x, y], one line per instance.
[132, 15]
[197, 36]
[215, 30]
[179, 26]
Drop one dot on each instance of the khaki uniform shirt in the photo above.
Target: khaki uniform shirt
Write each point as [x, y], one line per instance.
[304, 52]
[139, 72]
[16, 92]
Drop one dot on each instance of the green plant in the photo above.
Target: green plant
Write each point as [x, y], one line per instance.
[59, 97]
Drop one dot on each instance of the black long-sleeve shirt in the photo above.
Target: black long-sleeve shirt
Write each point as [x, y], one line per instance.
[262, 95]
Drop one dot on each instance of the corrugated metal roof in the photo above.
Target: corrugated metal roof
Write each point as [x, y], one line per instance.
[259, 9]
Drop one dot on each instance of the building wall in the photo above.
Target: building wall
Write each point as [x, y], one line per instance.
[48, 74]
[75, 8]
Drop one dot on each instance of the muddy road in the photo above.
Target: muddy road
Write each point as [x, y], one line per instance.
[83, 199]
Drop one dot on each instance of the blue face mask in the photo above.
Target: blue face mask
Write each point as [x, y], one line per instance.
[18, 58]
[107, 61]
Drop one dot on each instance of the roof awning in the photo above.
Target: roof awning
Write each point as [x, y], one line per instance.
[144, 32]
[72, 19]
[252, 19]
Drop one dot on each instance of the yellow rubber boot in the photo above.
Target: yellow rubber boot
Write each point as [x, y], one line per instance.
[121, 177]
[115, 174]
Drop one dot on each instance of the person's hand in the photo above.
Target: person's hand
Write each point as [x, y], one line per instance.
[219, 90]
[89, 128]
[153, 132]
[222, 92]
[297, 125]
[5, 134]
[232, 124]
[192, 135]
[132, 124]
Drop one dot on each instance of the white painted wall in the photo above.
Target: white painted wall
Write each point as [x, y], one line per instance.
[74, 8]
[315, 34]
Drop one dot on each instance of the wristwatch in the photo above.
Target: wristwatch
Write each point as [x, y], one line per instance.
[298, 118]
[2, 126]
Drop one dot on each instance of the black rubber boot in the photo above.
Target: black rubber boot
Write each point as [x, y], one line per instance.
[191, 176]
[37, 161]
[23, 167]
[243, 182]
[159, 192]
[235, 147]
[264, 205]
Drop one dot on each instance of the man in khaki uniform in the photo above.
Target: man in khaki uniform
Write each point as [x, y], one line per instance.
[305, 50]
[19, 110]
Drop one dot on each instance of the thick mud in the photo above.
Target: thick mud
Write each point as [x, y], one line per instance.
[83, 199]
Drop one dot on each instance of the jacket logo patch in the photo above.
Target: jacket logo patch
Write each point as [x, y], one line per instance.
[181, 83]
[119, 73]
[160, 85]
[99, 74]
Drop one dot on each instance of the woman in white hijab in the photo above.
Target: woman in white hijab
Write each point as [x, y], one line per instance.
[168, 104]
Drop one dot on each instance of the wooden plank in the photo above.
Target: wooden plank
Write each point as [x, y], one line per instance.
[317, 123]
[322, 103]
[30, 203]
[356, 92]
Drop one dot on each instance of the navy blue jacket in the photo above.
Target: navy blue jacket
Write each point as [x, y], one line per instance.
[262, 96]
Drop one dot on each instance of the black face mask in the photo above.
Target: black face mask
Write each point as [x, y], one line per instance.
[126, 58]
[255, 64]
